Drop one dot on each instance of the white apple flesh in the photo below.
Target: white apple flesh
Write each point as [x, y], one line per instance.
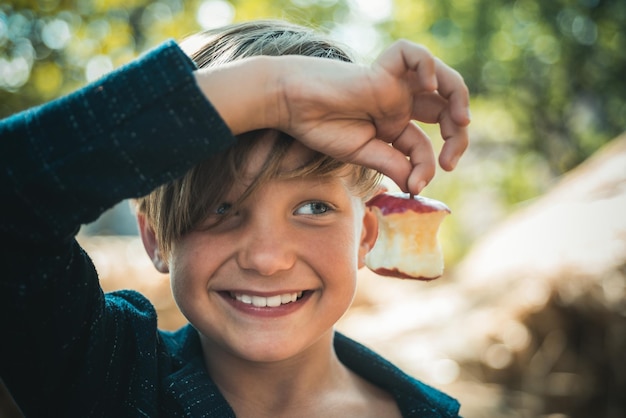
[407, 245]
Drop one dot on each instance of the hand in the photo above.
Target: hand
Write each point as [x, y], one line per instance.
[352, 112]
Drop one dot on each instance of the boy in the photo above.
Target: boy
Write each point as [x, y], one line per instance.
[252, 201]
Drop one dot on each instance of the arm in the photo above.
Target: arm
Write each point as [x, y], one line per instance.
[114, 139]
[349, 111]
[62, 165]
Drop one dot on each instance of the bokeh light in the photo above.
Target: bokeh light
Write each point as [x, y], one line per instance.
[215, 13]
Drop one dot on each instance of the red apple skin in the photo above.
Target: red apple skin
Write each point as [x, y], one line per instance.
[400, 275]
[399, 202]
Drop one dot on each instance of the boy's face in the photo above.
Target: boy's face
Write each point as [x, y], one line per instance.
[293, 238]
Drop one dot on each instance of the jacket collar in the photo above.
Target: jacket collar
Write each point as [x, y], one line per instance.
[189, 385]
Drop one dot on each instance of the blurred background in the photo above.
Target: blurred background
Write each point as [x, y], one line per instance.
[529, 319]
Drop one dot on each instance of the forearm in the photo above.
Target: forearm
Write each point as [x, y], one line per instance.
[348, 111]
[287, 93]
[62, 165]
[246, 92]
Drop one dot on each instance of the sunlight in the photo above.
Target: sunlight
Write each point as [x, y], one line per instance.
[215, 13]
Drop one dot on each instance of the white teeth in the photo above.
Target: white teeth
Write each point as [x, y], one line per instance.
[259, 301]
[272, 301]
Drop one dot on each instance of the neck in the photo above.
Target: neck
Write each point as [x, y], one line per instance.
[276, 387]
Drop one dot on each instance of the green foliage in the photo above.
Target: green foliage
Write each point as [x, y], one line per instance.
[546, 77]
[556, 66]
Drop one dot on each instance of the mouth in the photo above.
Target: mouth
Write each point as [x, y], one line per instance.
[269, 301]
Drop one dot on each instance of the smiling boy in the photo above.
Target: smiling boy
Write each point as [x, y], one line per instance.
[265, 281]
[252, 201]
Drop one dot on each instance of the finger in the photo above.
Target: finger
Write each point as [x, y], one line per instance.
[433, 108]
[403, 56]
[452, 151]
[383, 157]
[415, 143]
[456, 141]
[428, 107]
[452, 87]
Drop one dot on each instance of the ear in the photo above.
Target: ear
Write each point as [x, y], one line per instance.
[148, 237]
[368, 234]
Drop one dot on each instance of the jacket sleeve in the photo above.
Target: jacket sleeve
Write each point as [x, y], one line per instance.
[63, 164]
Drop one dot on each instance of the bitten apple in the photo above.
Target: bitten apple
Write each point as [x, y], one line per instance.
[407, 245]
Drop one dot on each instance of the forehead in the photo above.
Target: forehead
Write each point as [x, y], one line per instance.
[297, 156]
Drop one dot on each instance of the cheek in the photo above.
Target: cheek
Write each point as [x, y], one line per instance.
[341, 250]
[181, 274]
[192, 262]
[342, 242]
[337, 255]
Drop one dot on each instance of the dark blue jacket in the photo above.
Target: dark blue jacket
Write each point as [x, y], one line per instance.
[67, 349]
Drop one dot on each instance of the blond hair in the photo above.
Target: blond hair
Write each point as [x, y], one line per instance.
[179, 206]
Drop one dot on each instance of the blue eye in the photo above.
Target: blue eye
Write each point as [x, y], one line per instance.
[313, 208]
[223, 209]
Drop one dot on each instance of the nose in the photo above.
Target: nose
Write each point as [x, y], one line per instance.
[268, 246]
